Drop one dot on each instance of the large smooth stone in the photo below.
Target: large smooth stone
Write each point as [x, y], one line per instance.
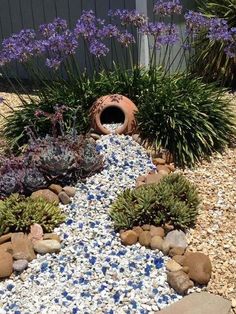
[46, 194]
[177, 238]
[145, 238]
[156, 243]
[6, 262]
[47, 246]
[64, 198]
[199, 303]
[69, 190]
[5, 238]
[129, 237]
[199, 267]
[22, 247]
[36, 232]
[51, 236]
[55, 188]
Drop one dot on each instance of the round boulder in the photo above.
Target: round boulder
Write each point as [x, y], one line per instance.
[6, 265]
[199, 266]
[129, 237]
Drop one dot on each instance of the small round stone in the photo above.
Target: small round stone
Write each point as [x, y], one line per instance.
[156, 243]
[20, 265]
[145, 238]
[129, 237]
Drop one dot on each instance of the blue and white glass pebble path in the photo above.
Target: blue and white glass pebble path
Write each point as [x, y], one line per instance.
[94, 272]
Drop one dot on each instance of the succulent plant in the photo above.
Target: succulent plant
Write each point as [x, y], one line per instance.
[11, 174]
[91, 160]
[174, 199]
[18, 213]
[33, 180]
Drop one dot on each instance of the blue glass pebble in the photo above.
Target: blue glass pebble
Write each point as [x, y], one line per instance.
[10, 287]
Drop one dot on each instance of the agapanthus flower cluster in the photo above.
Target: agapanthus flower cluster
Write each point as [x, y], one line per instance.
[163, 33]
[230, 49]
[126, 38]
[196, 22]
[19, 47]
[129, 17]
[167, 8]
[218, 29]
[56, 27]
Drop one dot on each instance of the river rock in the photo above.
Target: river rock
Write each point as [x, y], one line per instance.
[36, 232]
[46, 194]
[70, 191]
[47, 246]
[64, 198]
[163, 167]
[199, 267]
[165, 247]
[145, 238]
[153, 178]
[129, 237]
[137, 230]
[146, 227]
[158, 161]
[176, 251]
[20, 265]
[56, 188]
[156, 243]
[22, 247]
[51, 236]
[6, 247]
[179, 281]
[6, 262]
[179, 259]
[157, 231]
[171, 265]
[177, 238]
[5, 238]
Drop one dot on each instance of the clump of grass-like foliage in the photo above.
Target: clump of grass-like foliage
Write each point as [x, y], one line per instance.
[187, 117]
[173, 200]
[18, 213]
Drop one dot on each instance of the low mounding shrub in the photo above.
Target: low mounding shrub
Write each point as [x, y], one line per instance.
[18, 213]
[173, 200]
[187, 117]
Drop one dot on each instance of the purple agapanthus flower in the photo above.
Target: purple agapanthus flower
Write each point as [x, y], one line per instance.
[98, 49]
[196, 22]
[88, 25]
[57, 26]
[19, 47]
[219, 30]
[129, 17]
[230, 49]
[126, 38]
[108, 31]
[166, 8]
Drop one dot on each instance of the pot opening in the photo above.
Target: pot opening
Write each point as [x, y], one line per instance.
[112, 118]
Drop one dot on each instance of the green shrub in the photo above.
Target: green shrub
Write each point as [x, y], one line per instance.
[18, 214]
[210, 60]
[173, 200]
[187, 117]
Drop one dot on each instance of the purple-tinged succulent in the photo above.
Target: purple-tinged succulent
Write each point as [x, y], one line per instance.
[11, 174]
[166, 8]
[33, 180]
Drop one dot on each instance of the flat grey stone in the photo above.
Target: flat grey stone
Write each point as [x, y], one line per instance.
[199, 303]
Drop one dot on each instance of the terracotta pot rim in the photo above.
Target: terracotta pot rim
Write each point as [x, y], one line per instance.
[118, 130]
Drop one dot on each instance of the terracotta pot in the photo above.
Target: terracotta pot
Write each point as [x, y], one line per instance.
[113, 108]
